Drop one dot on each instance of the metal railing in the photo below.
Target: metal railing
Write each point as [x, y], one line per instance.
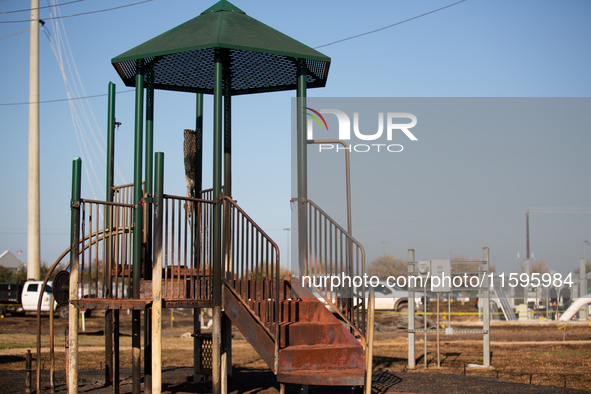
[123, 194]
[105, 249]
[334, 252]
[187, 248]
[91, 244]
[207, 194]
[250, 267]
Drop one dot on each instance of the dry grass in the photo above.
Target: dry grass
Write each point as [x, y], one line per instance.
[548, 362]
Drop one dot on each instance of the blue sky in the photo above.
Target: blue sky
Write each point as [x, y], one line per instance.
[477, 48]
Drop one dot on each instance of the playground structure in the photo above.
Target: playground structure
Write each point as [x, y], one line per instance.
[144, 250]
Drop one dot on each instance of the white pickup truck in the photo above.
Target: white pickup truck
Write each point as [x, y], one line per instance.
[394, 298]
[18, 302]
[388, 298]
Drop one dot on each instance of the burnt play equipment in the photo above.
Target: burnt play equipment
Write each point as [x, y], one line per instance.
[144, 250]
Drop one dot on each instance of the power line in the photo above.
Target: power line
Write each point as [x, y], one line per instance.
[24, 232]
[83, 118]
[40, 8]
[83, 13]
[430, 218]
[68, 99]
[15, 33]
[389, 26]
[559, 210]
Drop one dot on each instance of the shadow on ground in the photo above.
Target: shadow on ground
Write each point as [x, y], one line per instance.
[178, 380]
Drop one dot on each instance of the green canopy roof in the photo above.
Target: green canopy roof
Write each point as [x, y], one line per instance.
[260, 58]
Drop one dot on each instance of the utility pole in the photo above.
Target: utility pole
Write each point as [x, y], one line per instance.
[33, 242]
[583, 282]
[384, 246]
[527, 255]
[527, 231]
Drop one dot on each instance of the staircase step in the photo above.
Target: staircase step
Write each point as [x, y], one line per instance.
[344, 377]
[315, 347]
[321, 357]
[312, 333]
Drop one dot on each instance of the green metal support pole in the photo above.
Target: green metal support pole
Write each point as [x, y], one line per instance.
[226, 359]
[302, 169]
[197, 356]
[137, 231]
[199, 155]
[148, 226]
[110, 141]
[74, 274]
[149, 131]
[227, 129]
[108, 244]
[217, 223]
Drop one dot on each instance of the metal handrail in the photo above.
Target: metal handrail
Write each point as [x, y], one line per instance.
[123, 186]
[183, 198]
[123, 193]
[331, 248]
[207, 194]
[187, 247]
[250, 254]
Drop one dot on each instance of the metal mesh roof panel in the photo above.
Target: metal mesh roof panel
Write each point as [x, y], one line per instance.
[260, 58]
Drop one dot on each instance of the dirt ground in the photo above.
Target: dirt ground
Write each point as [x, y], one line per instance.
[538, 356]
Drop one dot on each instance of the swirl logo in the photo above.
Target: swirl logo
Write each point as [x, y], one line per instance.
[316, 117]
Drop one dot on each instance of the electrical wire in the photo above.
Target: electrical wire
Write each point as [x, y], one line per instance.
[24, 232]
[39, 8]
[68, 99]
[431, 218]
[15, 33]
[389, 26]
[81, 13]
[83, 118]
[56, 45]
[559, 210]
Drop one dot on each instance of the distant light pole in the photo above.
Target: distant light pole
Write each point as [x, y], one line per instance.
[583, 281]
[384, 246]
[288, 232]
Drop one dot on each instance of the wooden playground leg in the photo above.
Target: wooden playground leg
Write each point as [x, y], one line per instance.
[108, 347]
[216, 350]
[227, 350]
[73, 350]
[197, 345]
[148, 350]
[116, 351]
[136, 365]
